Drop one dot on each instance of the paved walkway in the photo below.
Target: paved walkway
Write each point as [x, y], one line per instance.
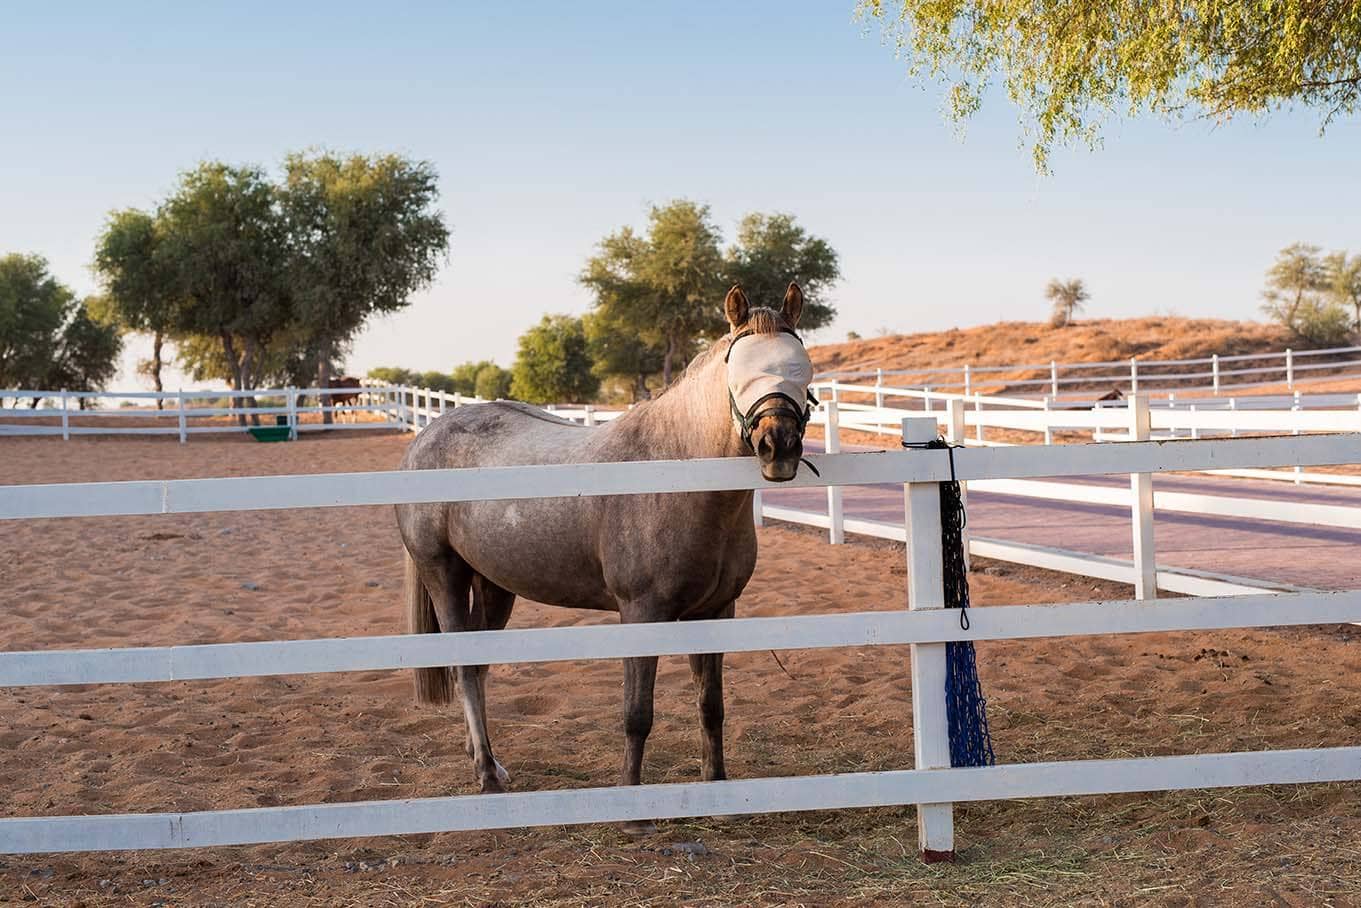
[1313, 556]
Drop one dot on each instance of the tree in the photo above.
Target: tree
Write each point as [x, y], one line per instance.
[86, 355]
[772, 250]
[1293, 283]
[465, 376]
[224, 247]
[34, 307]
[553, 363]
[1067, 63]
[618, 352]
[1344, 283]
[47, 339]
[1067, 297]
[140, 289]
[363, 234]
[662, 288]
[392, 375]
[493, 382]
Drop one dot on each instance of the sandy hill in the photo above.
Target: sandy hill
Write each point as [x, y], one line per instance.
[1007, 343]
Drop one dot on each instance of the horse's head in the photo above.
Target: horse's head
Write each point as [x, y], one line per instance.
[768, 376]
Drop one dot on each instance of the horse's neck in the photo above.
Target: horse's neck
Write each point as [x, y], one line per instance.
[692, 419]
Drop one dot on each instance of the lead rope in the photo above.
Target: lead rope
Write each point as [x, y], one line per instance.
[965, 705]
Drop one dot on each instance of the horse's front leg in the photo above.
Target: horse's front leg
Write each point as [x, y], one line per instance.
[707, 671]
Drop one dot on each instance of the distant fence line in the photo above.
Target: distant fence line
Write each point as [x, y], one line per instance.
[1207, 374]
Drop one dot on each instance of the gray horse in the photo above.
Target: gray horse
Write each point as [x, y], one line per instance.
[651, 557]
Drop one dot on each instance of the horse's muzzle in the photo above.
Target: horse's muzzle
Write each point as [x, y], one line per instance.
[779, 447]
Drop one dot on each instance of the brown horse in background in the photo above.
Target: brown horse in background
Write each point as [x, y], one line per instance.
[649, 557]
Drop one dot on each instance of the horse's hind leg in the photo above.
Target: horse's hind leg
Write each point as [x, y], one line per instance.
[491, 607]
[448, 579]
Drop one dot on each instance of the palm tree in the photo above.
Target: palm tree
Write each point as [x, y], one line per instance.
[1067, 298]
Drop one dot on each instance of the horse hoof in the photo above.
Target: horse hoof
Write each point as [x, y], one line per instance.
[492, 785]
[501, 775]
[638, 827]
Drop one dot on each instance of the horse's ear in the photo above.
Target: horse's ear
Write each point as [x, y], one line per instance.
[793, 304]
[736, 307]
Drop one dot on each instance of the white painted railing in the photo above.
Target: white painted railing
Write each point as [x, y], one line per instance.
[1210, 374]
[1134, 419]
[378, 406]
[926, 626]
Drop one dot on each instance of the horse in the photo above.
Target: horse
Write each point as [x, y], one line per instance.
[649, 557]
[342, 398]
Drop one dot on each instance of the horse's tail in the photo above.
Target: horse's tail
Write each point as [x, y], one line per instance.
[433, 685]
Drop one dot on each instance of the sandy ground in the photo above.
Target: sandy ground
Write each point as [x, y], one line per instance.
[309, 739]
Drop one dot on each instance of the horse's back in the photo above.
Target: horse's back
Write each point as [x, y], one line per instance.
[496, 434]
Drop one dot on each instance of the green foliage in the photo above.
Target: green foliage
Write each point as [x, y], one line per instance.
[1309, 294]
[279, 277]
[852, 335]
[47, 339]
[222, 241]
[34, 307]
[553, 364]
[393, 375]
[1067, 298]
[1344, 283]
[663, 289]
[363, 235]
[772, 250]
[465, 375]
[658, 297]
[617, 352]
[1322, 322]
[493, 382]
[1069, 63]
[437, 381]
[87, 352]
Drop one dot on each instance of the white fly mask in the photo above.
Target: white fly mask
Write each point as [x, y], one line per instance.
[762, 370]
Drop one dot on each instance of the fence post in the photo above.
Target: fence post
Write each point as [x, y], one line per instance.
[1295, 408]
[1141, 507]
[757, 517]
[926, 590]
[443, 399]
[1048, 427]
[1233, 407]
[65, 418]
[878, 385]
[835, 528]
[968, 380]
[978, 427]
[1289, 368]
[292, 413]
[401, 408]
[954, 433]
[1133, 375]
[179, 397]
[1054, 378]
[1214, 368]
[926, 398]
[590, 415]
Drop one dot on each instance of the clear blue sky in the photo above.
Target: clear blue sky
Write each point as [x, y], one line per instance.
[552, 125]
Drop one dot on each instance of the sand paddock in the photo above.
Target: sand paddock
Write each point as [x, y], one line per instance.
[328, 738]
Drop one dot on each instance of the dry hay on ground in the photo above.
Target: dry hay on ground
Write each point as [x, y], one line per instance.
[308, 739]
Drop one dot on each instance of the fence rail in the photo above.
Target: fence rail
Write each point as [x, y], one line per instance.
[1129, 375]
[926, 627]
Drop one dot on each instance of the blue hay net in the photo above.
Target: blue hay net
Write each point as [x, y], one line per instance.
[965, 705]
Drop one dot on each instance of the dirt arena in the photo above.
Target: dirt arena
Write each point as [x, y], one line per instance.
[329, 738]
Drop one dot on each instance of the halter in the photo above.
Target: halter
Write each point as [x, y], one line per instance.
[746, 422]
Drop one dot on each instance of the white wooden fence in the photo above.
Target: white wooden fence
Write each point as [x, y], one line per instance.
[1133, 420]
[1212, 374]
[926, 626]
